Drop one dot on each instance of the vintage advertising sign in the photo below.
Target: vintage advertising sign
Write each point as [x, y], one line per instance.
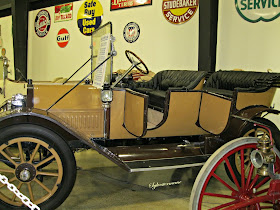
[131, 32]
[42, 23]
[260, 10]
[63, 12]
[179, 11]
[62, 38]
[122, 4]
[89, 16]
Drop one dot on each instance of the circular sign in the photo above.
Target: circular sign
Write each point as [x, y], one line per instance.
[131, 32]
[62, 38]
[42, 23]
[178, 12]
[89, 16]
[256, 11]
[3, 52]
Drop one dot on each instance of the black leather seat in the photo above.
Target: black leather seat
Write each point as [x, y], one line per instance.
[166, 80]
[224, 82]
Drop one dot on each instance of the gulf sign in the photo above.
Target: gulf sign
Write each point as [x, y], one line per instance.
[62, 38]
[258, 10]
[179, 11]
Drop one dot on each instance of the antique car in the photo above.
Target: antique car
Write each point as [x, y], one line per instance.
[175, 120]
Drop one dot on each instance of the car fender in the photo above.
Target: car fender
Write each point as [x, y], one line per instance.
[50, 121]
[242, 117]
[38, 117]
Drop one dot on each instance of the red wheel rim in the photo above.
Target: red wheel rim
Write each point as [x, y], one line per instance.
[248, 188]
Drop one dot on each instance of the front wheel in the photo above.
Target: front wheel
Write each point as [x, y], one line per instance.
[213, 188]
[39, 163]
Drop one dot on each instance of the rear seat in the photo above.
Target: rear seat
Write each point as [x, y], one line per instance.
[225, 82]
[166, 80]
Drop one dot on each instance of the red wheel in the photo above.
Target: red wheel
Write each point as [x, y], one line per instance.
[213, 188]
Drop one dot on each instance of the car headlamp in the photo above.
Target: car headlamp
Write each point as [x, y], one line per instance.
[17, 101]
[106, 96]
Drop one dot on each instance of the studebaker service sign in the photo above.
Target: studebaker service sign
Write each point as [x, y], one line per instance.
[179, 11]
[257, 10]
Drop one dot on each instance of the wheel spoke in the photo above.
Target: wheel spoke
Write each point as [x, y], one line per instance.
[224, 205]
[18, 187]
[250, 175]
[8, 158]
[44, 161]
[232, 173]
[7, 150]
[265, 180]
[253, 182]
[7, 170]
[20, 152]
[10, 181]
[262, 191]
[34, 153]
[219, 195]
[248, 167]
[242, 170]
[42, 185]
[223, 182]
[30, 192]
[47, 173]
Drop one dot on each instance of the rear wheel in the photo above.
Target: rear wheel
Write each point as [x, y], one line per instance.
[39, 163]
[213, 187]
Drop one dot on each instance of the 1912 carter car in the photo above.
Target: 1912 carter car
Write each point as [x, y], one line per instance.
[175, 120]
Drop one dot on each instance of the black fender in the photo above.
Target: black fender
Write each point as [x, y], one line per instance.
[244, 116]
[51, 122]
[37, 117]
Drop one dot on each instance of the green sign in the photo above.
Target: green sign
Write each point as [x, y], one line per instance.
[258, 10]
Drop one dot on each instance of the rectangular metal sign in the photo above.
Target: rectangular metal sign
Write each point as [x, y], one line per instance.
[122, 4]
[63, 12]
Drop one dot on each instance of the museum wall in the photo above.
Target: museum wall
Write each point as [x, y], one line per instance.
[248, 46]
[161, 45]
[7, 41]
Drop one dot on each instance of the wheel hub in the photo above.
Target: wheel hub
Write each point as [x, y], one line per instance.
[25, 172]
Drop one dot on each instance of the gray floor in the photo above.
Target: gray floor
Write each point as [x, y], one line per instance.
[101, 184]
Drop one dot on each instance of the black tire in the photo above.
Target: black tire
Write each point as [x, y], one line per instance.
[29, 136]
[248, 131]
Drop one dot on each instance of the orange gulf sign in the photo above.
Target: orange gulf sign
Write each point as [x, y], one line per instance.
[179, 11]
[62, 38]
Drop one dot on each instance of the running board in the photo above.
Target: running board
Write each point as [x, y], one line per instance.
[165, 164]
[161, 156]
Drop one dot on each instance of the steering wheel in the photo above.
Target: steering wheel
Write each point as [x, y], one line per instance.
[139, 64]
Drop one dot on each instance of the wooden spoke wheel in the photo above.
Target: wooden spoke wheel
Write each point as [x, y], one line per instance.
[39, 163]
[214, 189]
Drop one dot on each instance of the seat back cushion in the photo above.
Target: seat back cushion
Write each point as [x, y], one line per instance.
[178, 78]
[228, 80]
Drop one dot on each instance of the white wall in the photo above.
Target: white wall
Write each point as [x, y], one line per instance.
[7, 38]
[247, 46]
[161, 45]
